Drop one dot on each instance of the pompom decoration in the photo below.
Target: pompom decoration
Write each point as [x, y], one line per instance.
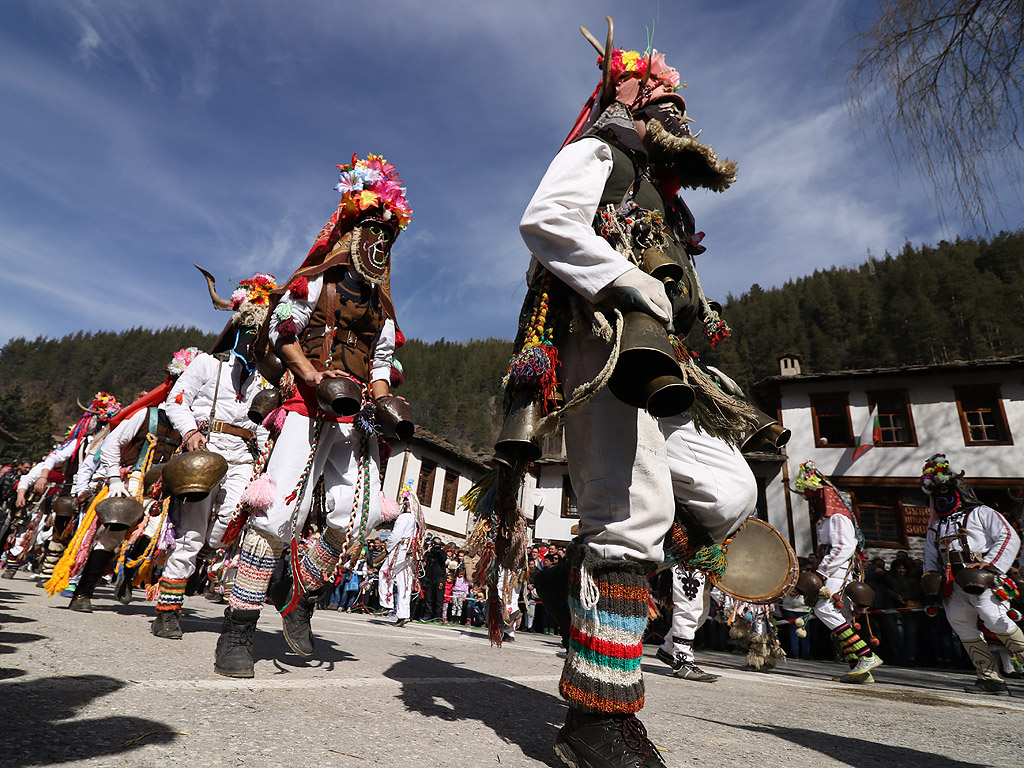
[801, 632]
[799, 622]
[260, 493]
[286, 330]
[366, 420]
[397, 378]
[389, 508]
[856, 625]
[299, 288]
[274, 422]
[178, 398]
[1013, 614]
[399, 339]
[875, 642]
[283, 310]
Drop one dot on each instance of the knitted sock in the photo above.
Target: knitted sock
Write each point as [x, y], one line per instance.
[850, 644]
[608, 603]
[256, 564]
[172, 594]
[320, 559]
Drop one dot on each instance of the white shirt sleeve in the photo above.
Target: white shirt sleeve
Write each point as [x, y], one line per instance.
[113, 446]
[85, 473]
[842, 544]
[188, 385]
[931, 549]
[558, 224]
[301, 309]
[1004, 541]
[60, 455]
[29, 478]
[384, 353]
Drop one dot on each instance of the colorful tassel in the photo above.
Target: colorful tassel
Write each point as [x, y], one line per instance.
[274, 422]
[286, 330]
[260, 493]
[299, 288]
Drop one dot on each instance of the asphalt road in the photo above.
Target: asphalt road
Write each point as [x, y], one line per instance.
[99, 690]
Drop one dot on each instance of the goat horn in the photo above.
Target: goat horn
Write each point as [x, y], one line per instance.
[84, 408]
[218, 302]
[607, 87]
[647, 74]
[592, 40]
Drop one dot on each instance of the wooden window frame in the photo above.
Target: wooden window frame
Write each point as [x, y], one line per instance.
[450, 491]
[1000, 412]
[818, 396]
[881, 394]
[426, 494]
[900, 523]
[566, 490]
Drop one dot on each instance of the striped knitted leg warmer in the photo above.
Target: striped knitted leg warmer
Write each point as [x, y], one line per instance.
[172, 594]
[256, 564]
[850, 644]
[608, 603]
[320, 559]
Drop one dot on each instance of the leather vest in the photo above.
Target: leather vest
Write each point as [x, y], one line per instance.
[167, 440]
[345, 325]
[647, 196]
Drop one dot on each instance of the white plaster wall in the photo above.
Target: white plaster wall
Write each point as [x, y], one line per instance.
[541, 501]
[936, 421]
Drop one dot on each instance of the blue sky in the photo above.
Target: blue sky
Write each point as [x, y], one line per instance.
[140, 137]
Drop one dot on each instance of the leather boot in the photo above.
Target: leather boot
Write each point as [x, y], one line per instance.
[97, 563]
[552, 585]
[598, 740]
[296, 623]
[234, 646]
[167, 626]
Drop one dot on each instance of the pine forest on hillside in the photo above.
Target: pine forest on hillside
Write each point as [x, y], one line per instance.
[956, 301]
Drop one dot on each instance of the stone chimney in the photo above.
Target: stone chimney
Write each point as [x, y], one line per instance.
[789, 365]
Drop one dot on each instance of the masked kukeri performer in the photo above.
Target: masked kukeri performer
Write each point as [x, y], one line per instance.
[613, 243]
[141, 436]
[334, 330]
[399, 572]
[83, 440]
[970, 547]
[838, 599]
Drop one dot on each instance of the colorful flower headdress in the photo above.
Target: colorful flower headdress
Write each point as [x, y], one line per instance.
[181, 360]
[251, 300]
[936, 473]
[371, 184]
[104, 406]
[809, 478]
[626, 64]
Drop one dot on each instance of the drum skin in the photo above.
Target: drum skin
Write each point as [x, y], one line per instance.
[762, 567]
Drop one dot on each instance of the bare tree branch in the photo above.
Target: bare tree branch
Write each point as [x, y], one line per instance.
[951, 80]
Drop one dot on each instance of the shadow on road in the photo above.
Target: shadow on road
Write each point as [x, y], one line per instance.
[36, 730]
[862, 753]
[517, 714]
[8, 639]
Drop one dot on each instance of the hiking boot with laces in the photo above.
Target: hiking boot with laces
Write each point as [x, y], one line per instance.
[298, 632]
[988, 688]
[688, 670]
[234, 646]
[601, 740]
[167, 626]
[669, 658]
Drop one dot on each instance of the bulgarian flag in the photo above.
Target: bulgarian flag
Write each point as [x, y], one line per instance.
[871, 435]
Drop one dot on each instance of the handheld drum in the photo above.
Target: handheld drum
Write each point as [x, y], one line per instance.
[761, 566]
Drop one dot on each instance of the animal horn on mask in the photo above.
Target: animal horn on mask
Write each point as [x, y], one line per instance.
[218, 301]
[607, 86]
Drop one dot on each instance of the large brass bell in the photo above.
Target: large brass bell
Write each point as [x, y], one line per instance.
[931, 584]
[119, 512]
[64, 506]
[339, 395]
[860, 594]
[271, 367]
[767, 431]
[395, 417]
[648, 374]
[264, 402]
[193, 475]
[809, 585]
[974, 581]
[659, 265]
[517, 443]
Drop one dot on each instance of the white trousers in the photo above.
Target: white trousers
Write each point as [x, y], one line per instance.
[401, 578]
[826, 610]
[964, 610]
[336, 458]
[688, 613]
[626, 468]
[194, 524]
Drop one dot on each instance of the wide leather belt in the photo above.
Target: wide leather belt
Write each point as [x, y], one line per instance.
[230, 429]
